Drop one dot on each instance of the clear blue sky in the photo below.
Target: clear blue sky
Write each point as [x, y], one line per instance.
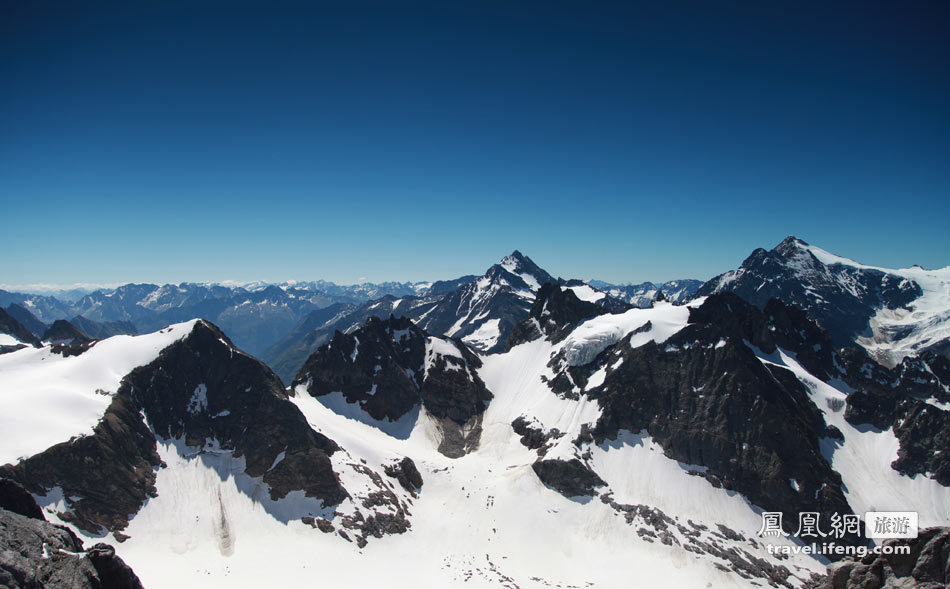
[210, 140]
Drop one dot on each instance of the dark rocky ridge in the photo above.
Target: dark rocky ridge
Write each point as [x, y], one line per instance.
[198, 388]
[705, 397]
[840, 298]
[383, 368]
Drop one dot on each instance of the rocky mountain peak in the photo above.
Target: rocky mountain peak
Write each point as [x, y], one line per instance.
[843, 298]
[390, 367]
[790, 243]
[523, 267]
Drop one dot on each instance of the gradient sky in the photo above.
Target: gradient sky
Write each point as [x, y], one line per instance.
[209, 140]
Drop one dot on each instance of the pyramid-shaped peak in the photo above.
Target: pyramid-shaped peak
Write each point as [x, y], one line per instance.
[515, 256]
[524, 267]
[791, 242]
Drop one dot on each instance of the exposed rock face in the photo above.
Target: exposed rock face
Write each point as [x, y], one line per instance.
[199, 388]
[926, 567]
[708, 400]
[533, 437]
[571, 478]
[38, 554]
[554, 314]
[389, 367]
[406, 473]
[840, 298]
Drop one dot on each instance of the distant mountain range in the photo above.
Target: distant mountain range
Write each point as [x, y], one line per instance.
[256, 315]
[642, 295]
[480, 311]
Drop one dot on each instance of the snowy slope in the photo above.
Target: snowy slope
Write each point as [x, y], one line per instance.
[46, 398]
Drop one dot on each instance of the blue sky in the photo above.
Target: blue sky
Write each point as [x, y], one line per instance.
[211, 140]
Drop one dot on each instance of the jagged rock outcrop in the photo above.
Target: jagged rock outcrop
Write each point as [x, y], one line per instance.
[571, 478]
[406, 473]
[389, 367]
[533, 437]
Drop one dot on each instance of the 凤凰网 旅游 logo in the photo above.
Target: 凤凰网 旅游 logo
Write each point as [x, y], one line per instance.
[824, 535]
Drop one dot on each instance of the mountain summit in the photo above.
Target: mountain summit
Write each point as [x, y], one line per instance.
[891, 313]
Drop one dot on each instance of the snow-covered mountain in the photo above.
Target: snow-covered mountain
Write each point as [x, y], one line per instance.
[597, 449]
[642, 295]
[891, 313]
